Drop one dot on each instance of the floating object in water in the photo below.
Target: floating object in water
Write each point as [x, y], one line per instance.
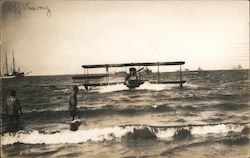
[75, 124]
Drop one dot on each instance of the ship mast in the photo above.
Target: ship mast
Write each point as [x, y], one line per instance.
[6, 62]
[14, 68]
[1, 63]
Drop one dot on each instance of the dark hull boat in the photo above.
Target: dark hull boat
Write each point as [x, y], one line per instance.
[13, 75]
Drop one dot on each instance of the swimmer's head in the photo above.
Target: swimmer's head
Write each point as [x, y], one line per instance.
[12, 92]
[75, 88]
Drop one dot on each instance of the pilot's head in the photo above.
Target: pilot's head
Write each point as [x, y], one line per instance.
[132, 70]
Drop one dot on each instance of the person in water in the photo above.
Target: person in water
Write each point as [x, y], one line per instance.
[73, 103]
[13, 107]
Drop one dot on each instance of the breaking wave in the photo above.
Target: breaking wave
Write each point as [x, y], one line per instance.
[123, 132]
[122, 87]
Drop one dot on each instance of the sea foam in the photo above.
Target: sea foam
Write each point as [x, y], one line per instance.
[110, 133]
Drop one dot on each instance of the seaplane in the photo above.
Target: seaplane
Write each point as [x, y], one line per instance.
[132, 79]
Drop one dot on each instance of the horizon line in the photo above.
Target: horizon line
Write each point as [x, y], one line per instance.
[64, 74]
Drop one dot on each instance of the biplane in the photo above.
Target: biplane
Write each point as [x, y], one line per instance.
[132, 79]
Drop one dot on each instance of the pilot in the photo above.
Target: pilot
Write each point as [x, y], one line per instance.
[132, 74]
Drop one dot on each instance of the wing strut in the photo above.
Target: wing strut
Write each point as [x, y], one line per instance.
[158, 72]
[180, 77]
[107, 73]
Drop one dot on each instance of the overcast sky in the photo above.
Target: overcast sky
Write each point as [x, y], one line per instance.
[58, 37]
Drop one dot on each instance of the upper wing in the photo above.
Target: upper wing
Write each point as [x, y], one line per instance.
[134, 64]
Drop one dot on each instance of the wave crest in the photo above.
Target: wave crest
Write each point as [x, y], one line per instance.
[177, 132]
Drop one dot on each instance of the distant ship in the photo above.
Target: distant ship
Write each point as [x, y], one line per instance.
[199, 69]
[13, 72]
[239, 67]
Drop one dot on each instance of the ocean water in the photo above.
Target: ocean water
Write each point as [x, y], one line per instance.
[208, 117]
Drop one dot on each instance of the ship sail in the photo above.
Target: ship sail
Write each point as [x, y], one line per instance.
[12, 72]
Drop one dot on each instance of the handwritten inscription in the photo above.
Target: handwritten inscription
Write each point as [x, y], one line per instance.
[18, 8]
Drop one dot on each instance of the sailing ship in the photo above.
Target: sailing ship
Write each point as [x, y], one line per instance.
[239, 67]
[12, 73]
[199, 69]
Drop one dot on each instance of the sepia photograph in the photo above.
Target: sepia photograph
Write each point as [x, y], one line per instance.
[124, 79]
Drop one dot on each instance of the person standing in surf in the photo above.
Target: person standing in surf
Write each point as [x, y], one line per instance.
[13, 107]
[73, 103]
